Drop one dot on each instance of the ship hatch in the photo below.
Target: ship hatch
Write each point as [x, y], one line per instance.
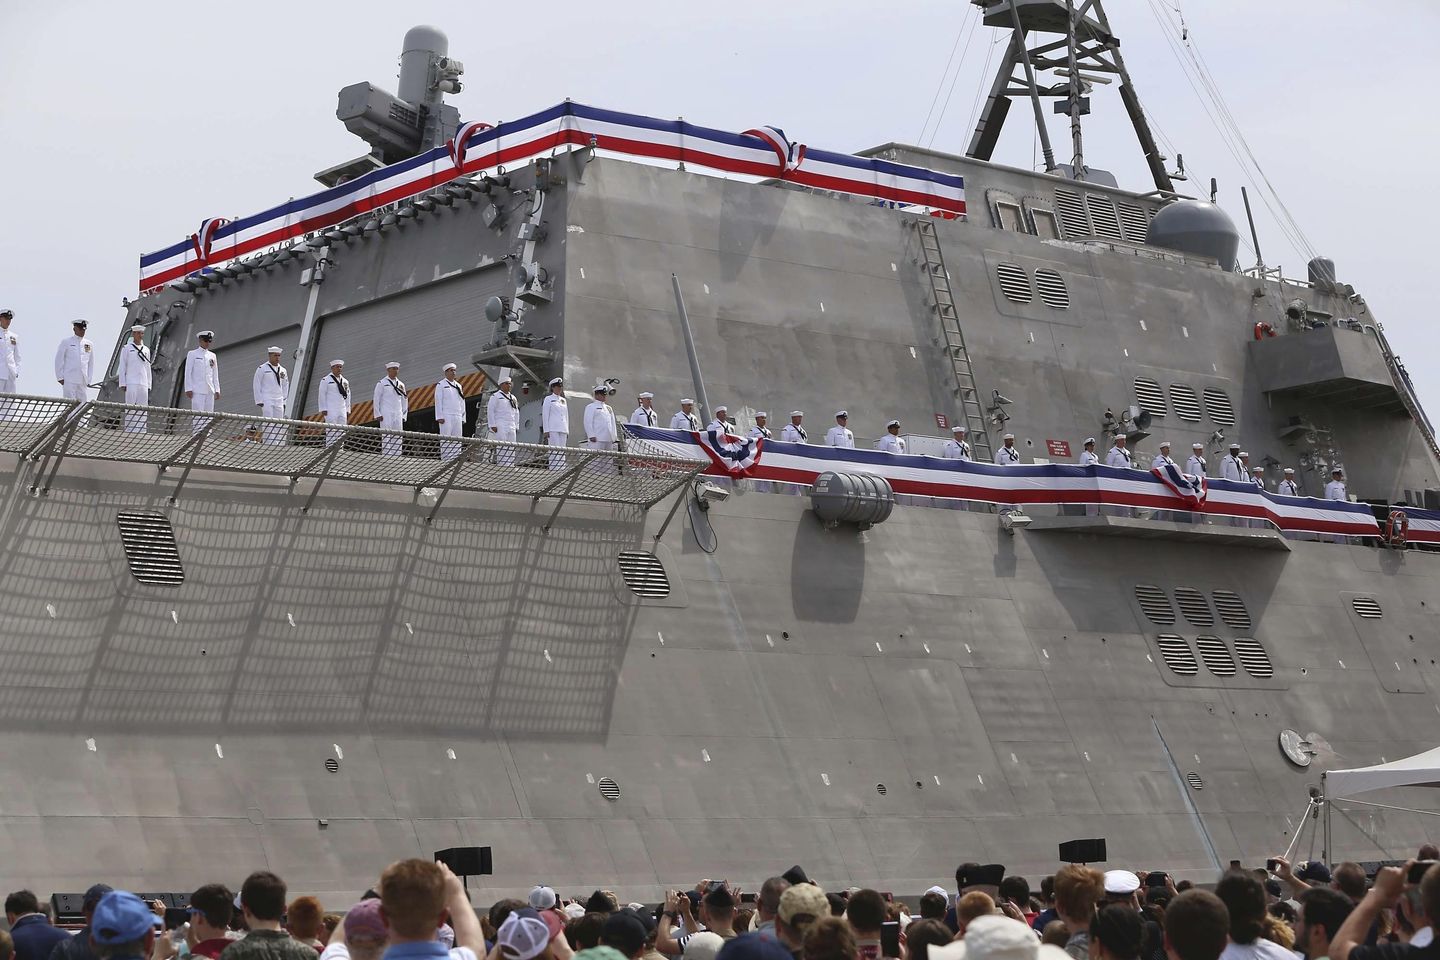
[150, 548]
[644, 574]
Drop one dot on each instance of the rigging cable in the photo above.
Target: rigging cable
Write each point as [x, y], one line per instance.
[980, 88]
[943, 74]
[974, 24]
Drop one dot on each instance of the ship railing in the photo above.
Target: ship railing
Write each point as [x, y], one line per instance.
[49, 430]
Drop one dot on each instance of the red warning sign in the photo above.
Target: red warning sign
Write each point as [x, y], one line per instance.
[942, 421]
[1058, 448]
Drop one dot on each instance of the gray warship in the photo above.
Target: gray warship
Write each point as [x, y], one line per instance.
[223, 655]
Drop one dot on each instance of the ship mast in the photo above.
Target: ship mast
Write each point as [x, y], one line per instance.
[1078, 46]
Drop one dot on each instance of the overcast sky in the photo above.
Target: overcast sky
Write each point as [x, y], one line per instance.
[123, 125]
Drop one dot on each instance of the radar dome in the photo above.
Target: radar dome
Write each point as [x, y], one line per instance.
[1194, 226]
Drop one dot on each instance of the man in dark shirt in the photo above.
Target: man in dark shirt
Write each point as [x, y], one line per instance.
[1348, 943]
[262, 899]
[78, 946]
[31, 930]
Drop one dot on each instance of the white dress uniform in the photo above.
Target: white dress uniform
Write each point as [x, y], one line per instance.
[1288, 488]
[600, 429]
[1231, 468]
[1117, 457]
[502, 414]
[719, 426]
[1162, 460]
[450, 407]
[202, 382]
[1088, 458]
[271, 385]
[1195, 466]
[793, 434]
[335, 401]
[555, 425]
[74, 362]
[1257, 479]
[685, 421]
[9, 360]
[1007, 457]
[838, 436]
[645, 417]
[890, 443]
[391, 403]
[758, 432]
[956, 450]
[1335, 490]
[135, 377]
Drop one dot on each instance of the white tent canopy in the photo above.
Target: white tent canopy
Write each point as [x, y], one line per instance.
[1421, 770]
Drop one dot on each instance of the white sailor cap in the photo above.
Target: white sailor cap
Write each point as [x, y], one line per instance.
[205, 335]
[842, 413]
[1008, 436]
[685, 400]
[1088, 441]
[505, 378]
[450, 366]
[391, 363]
[1289, 469]
[1121, 882]
[1197, 445]
[797, 413]
[600, 388]
[273, 350]
[1257, 469]
[892, 423]
[721, 406]
[761, 413]
[1335, 471]
[556, 381]
[1244, 454]
[1121, 438]
[958, 428]
[138, 328]
[1164, 444]
[647, 395]
[337, 363]
[1234, 446]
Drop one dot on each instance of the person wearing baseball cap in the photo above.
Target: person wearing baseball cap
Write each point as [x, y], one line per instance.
[75, 362]
[555, 422]
[122, 926]
[9, 353]
[523, 936]
[202, 379]
[800, 906]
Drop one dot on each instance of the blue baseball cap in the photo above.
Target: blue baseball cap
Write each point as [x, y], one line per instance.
[121, 917]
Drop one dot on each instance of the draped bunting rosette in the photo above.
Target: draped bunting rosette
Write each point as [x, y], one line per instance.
[478, 148]
[1186, 486]
[734, 455]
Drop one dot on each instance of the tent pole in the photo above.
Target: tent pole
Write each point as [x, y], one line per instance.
[1325, 799]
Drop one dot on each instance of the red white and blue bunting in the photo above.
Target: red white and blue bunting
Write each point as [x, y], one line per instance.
[733, 455]
[1186, 486]
[800, 463]
[479, 148]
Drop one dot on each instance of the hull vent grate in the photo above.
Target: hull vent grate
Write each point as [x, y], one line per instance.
[609, 789]
[1232, 609]
[1216, 656]
[1187, 405]
[150, 548]
[1177, 655]
[1014, 282]
[1149, 397]
[1192, 604]
[1367, 607]
[1217, 404]
[1254, 658]
[1052, 289]
[1102, 215]
[1193, 779]
[1155, 604]
[1073, 220]
[1133, 219]
[644, 574]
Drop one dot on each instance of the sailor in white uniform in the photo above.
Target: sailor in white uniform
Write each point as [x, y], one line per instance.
[601, 431]
[134, 374]
[957, 447]
[271, 385]
[892, 442]
[1088, 456]
[760, 431]
[74, 363]
[503, 416]
[1118, 455]
[9, 353]
[1245, 469]
[1195, 466]
[1008, 456]
[1230, 466]
[391, 405]
[555, 422]
[449, 412]
[794, 431]
[335, 400]
[721, 423]
[685, 419]
[645, 415]
[1162, 459]
[1335, 489]
[1288, 487]
[1257, 477]
[840, 435]
[202, 379]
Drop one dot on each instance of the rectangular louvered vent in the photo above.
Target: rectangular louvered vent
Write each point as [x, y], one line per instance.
[1367, 607]
[1177, 655]
[1149, 396]
[1102, 215]
[1187, 405]
[1217, 404]
[1014, 282]
[1073, 220]
[1155, 604]
[150, 548]
[1216, 656]
[1052, 289]
[1232, 609]
[1254, 658]
[1192, 604]
[1134, 221]
[644, 574]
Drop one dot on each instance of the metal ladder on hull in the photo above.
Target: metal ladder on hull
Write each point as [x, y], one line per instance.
[932, 263]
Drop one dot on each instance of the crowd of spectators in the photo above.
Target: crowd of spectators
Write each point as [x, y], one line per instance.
[420, 910]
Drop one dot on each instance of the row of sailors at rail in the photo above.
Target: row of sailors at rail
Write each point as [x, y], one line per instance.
[1235, 465]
